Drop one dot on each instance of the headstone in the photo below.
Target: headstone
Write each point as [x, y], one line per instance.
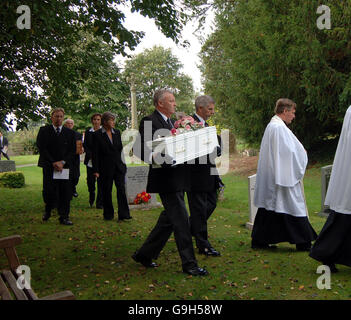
[7, 165]
[252, 208]
[136, 183]
[325, 177]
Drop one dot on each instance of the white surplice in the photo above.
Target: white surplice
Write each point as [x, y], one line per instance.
[281, 166]
[338, 196]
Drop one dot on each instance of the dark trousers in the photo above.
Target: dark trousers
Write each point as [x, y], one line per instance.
[75, 174]
[173, 219]
[91, 180]
[201, 206]
[56, 194]
[5, 155]
[106, 182]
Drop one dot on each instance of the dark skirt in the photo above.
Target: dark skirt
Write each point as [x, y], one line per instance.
[271, 227]
[333, 244]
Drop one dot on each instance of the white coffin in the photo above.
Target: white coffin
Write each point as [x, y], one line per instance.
[187, 146]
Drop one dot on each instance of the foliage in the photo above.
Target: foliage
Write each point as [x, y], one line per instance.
[26, 55]
[26, 138]
[12, 179]
[83, 80]
[265, 50]
[157, 68]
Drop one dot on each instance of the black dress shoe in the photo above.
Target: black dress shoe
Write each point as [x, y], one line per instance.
[66, 222]
[209, 252]
[46, 216]
[127, 218]
[75, 194]
[196, 271]
[332, 267]
[263, 246]
[99, 206]
[147, 263]
[303, 247]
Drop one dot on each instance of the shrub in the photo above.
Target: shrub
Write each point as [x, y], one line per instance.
[12, 179]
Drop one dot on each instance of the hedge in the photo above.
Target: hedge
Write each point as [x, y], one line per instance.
[12, 179]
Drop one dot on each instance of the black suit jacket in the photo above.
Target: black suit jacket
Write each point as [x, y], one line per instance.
[88, 145]
[107, 157]
[200, 172]
[53, 147]
[160, 180]
[4, 142]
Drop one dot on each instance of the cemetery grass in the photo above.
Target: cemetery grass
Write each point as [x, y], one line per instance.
[92, 258]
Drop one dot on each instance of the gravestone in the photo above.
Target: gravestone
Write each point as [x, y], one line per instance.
[252, 208]
[7, 165]
[325, 177]
[136, 183]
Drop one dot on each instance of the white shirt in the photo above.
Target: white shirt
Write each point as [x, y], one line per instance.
[338, 196]
[201, 119]
[281, 167]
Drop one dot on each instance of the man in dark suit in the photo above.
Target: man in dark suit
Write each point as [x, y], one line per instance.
[4, 144]
[170, 181]
[57, 148]
[69, 123]
[109, 167]
[202, 198]
[88, 148]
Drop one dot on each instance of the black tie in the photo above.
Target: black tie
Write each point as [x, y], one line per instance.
[58, 130]
[170, 123]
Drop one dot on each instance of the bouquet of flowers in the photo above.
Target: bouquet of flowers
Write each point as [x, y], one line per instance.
[186, 124]
[142, 197]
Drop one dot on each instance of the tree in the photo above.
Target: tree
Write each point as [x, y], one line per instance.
[26, 54]
[83, 79]
[158, 68]
[273, 49]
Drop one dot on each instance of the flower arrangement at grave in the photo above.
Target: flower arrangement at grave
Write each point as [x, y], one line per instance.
[186, 124]
[142, 197]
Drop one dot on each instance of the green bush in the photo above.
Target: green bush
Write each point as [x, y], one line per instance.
[12, 179]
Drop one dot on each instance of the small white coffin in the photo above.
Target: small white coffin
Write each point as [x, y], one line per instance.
[187, 146]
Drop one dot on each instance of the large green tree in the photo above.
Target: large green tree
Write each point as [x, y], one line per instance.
[83, 79]
[26, 55]
[158, 68]
[264, 50]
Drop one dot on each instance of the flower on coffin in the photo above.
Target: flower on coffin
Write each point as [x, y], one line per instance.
[142, 197]
[186, 124]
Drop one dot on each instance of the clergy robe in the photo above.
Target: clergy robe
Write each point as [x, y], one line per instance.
[333, 244]
[282, 214]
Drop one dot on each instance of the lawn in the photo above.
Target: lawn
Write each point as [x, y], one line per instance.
[92, 258]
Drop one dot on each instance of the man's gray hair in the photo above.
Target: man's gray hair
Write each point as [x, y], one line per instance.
[203, 101]
[158, 95]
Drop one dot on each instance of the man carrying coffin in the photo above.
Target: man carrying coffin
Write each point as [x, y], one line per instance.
[333, 244]
[282, 213]
[170, 181]
[204, 184]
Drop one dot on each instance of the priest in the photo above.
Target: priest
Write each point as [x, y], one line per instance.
[282, 213]
[333, 245]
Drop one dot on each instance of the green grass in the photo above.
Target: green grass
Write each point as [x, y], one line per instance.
[93, 257]
[22, 160]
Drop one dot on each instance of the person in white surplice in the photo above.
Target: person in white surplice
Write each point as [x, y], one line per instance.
[333, 245]
[282, 213]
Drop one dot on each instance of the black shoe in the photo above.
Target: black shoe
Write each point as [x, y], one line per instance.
[332, 267]
[127, 218]
[66, 222]
[209, 252]
[147, 263]
[46, 216]
[303, 247]
[75, 194]
[99, 206]
[196, 271]
[263, 246]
